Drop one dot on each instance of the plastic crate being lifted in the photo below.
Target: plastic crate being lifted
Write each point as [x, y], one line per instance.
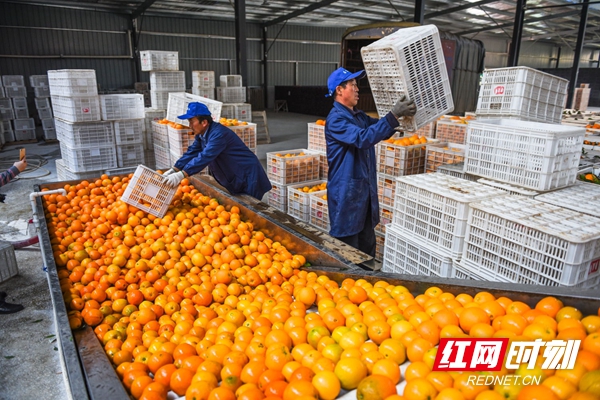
[178, 104]
[523, 93]
[435, 207]
[521, 240]
[529, 154]
[154, 60]
[122, 106]
[409, 62]
[73, 82]
[149, 192]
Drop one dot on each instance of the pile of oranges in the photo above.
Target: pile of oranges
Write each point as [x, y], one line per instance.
[202, 304]
[407, 141]
[232, 122]
[320, 122]
[172, 124]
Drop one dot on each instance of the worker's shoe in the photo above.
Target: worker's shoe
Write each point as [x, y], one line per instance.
[9, 308]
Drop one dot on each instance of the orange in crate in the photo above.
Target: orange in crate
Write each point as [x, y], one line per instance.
[149, 192]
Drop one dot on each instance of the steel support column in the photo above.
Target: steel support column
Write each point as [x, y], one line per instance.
[241, 55]
[578, 49]
[515, 45]
[419, 11]
[135, 38]
[558, 57]
[265, 63]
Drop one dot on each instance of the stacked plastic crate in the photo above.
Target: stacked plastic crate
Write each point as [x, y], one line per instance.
[451, 133]
[203, 84]
[7, 115]
[126, 113]
[16, 100]
[230, 89]
[39, 83]
[292, 167]
[162, 61]
[87, 143]
[151, 115]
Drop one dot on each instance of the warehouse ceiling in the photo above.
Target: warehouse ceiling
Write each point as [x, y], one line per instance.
[544, 19]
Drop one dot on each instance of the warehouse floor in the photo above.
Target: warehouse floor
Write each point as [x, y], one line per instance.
[29, 360]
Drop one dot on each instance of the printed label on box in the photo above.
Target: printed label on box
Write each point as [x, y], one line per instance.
[498, 90]
[594, 266]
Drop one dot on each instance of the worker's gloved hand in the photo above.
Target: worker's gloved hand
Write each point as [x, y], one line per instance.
[169, 172]
[175, 179]
[404, 108]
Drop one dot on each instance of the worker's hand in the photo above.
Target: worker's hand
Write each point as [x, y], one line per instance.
[404, 108]
[169, 172]
[21, 165]
[175, 178]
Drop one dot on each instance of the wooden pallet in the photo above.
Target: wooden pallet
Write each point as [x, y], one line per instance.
[262, 129]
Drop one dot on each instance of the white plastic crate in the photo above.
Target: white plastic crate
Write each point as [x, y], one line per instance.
[247, 133]
[528, 154]
[451, 131]
[439, 154]
[42, 103]
[178, 104]
[21, 113]
[167, 81]
[149, 192]
[209, 93]
[160, 134]
[153, 114]
[522, 240]
[6, 104]
[28, 123]
[386, 189]
[149, 159]
[514, 190]
[50, 134]
[13, 80]
[24, 134]
[230, 80]
[45, 113]
[7, 114]
[38, 80]
[386, 216]
[73, 82]
[159, 100]
[15, 91]
[180, 139]
[300, 166]
[41, 91]
[435, 207]
[89, 158]
[84, 134]
[154, 60]
[65, 174]
[323, 165]
[9, 136]
[457, 170]
[5, 126]
[404, 255]
[379, 247]
[20, 102]
[239, 111]
[397, 160]
[316, 137]
[409, 62]
[76, 109]
[277, 197]
[427, 130]
[298, 200]
[8, 261]
[129, 131]
[203, 79]
[162, 157]
[130, 155]
[581, 197]
[522, 92]
[459, 272]
[2, 94]
[231, 94]
[48, 124]
[122, 106]
[319, 211]
[174, 157]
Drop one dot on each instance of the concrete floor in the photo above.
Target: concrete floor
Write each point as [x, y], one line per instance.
[29, 361]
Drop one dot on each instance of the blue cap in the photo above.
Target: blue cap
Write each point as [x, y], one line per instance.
[340, 76]
[194, 110]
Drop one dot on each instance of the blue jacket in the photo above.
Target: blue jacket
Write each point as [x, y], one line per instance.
[351, 136]
[230, 161]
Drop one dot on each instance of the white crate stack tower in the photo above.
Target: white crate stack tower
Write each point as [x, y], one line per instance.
[7, 115]
[39, 83]
[87, 143]
[203, 84]
[235, 110]
[14, 108]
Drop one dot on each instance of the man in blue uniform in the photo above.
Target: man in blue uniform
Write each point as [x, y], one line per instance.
[231, 162]
[351, 136]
